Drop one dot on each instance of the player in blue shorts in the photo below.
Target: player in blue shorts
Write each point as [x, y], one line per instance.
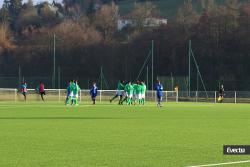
[93, 92]
[159, 93]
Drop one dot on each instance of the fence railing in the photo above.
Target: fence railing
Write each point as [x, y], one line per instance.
[105, 95]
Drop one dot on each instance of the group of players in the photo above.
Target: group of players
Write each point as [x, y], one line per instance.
[40, 90]
[73, 91]
[132, 93]
[136, 93]
[126, 91]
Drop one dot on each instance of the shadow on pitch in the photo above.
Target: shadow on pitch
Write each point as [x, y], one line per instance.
[65, 118]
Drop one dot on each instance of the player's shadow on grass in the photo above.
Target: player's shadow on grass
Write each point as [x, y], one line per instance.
[64, 118]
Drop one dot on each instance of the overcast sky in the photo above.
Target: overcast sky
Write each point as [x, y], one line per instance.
[35, 1]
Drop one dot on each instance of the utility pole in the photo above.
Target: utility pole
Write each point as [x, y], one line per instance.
[59, 77]
[197, 79]
[152, 53]
[172, 81]
[19, 74]
[101, 78]
[189, 67]
[147, 77]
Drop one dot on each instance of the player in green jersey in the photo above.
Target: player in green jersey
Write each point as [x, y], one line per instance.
[139, 93]
[75, 90]
[130, 91]
[143, 89]
[119, 92]
[136, 92]
[126, 92]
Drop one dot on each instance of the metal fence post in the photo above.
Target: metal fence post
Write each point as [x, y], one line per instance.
[177, 96]
[166, 96]
[15, 95]
[80, 98]
[235, 97]
[215, 96]
[154, 96]
[59, 93]
[196, 94]
[100, 95]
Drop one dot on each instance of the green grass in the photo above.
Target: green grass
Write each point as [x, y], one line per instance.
[36, 134]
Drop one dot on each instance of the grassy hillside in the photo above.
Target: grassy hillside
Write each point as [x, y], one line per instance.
[167, 8]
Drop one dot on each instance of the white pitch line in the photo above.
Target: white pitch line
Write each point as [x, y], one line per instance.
[220, 164]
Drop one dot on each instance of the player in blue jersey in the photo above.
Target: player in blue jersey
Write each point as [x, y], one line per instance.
[93, 92]
[159, 93]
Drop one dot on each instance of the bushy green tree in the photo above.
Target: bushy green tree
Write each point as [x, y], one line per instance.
[4, 12]
[15, 7]
[28, 17]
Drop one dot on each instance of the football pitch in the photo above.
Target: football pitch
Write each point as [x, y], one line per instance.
[37, 134]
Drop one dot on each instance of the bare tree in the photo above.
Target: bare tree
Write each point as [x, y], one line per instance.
[5, 38]
[186, 16]
[208, 5]
[72, 34]
[233, 7]
[106, 20]
[142, 14]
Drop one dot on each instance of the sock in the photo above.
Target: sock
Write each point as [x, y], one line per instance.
[113, 98]
[68, 100]
[130, 101]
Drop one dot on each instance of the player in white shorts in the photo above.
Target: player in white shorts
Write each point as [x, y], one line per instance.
[143, 89]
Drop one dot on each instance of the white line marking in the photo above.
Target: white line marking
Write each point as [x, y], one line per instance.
[220, 164]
